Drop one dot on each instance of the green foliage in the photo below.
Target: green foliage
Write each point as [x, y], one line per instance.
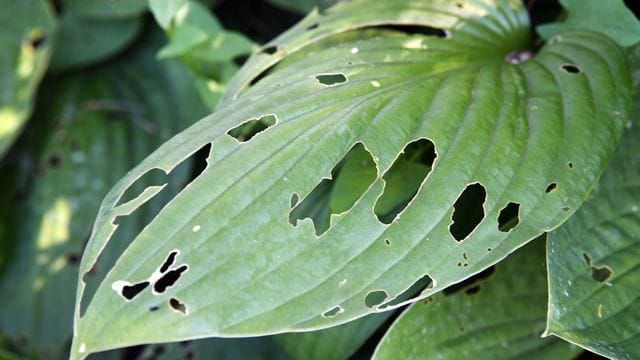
[375, 155]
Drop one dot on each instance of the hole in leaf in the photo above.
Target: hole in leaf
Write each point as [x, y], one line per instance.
[375, 298]
[509, 217]
[470, 282]
[331, 79]
[312, 26]
[37, 40]
[154, 308]
[570, 165]
[153, 177]
[571, 68]
[248, 129]
[169, 279]
[240, 60]
[468, 211]
[262, 75]
[131, 291]
[128, 226]
[177, 305]
[387, 242]
[350, 178]
[598, 273]
[333, 312]
[420, 285]
[269, 50]
[566, 208]
[168, 262]
[403, 179]
[411, 30]
[551, 187]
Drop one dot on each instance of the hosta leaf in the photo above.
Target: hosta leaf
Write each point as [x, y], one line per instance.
[498, 317]
[611, 17]
[84, 41]
[24, 54]
[336, 343]
[92, 127]
[105, 9]
[223, 259]
[594, 267]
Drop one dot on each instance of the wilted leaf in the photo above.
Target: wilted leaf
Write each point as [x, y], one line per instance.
[503, 130]
[25, 42]
[498, 316]
[594, 267]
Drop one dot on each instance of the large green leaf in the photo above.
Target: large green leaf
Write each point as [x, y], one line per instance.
[594, 267]
[499, 317]
[105, 9]
[504, 130]
[24, 54]
[91, 128]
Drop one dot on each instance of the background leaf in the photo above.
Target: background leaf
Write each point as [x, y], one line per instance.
[594, 267]
[500, 316]
[90, 128]
[611, 18]
[25, 44]
[509, 130]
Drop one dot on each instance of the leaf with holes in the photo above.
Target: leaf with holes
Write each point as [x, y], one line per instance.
[24, 55]
[446, 77]
[498, 315]
[594, 268]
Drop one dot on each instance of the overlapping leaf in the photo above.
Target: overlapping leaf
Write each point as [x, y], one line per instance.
[222, 258]
[594, 262]
[498, 317]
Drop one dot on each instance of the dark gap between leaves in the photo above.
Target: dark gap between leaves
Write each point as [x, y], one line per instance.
[412, 292]
[470, 282]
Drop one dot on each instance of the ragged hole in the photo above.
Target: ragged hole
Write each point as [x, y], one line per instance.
[153, 177]
[411, 30]
[551, 187]
[375, 298]
[509, 217]
[269, 50]
[178, 305]
[312, 26]
[350, 178]
[131, 291]
[598, 273]
[261, 75]
[420, 285]
[248, 129]
[471, 282]
[333, 312]
[468, 211]
[129, 226]
[403, 179]
[169, 279]
[331, 79]
[571, 68]
[168, 262]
